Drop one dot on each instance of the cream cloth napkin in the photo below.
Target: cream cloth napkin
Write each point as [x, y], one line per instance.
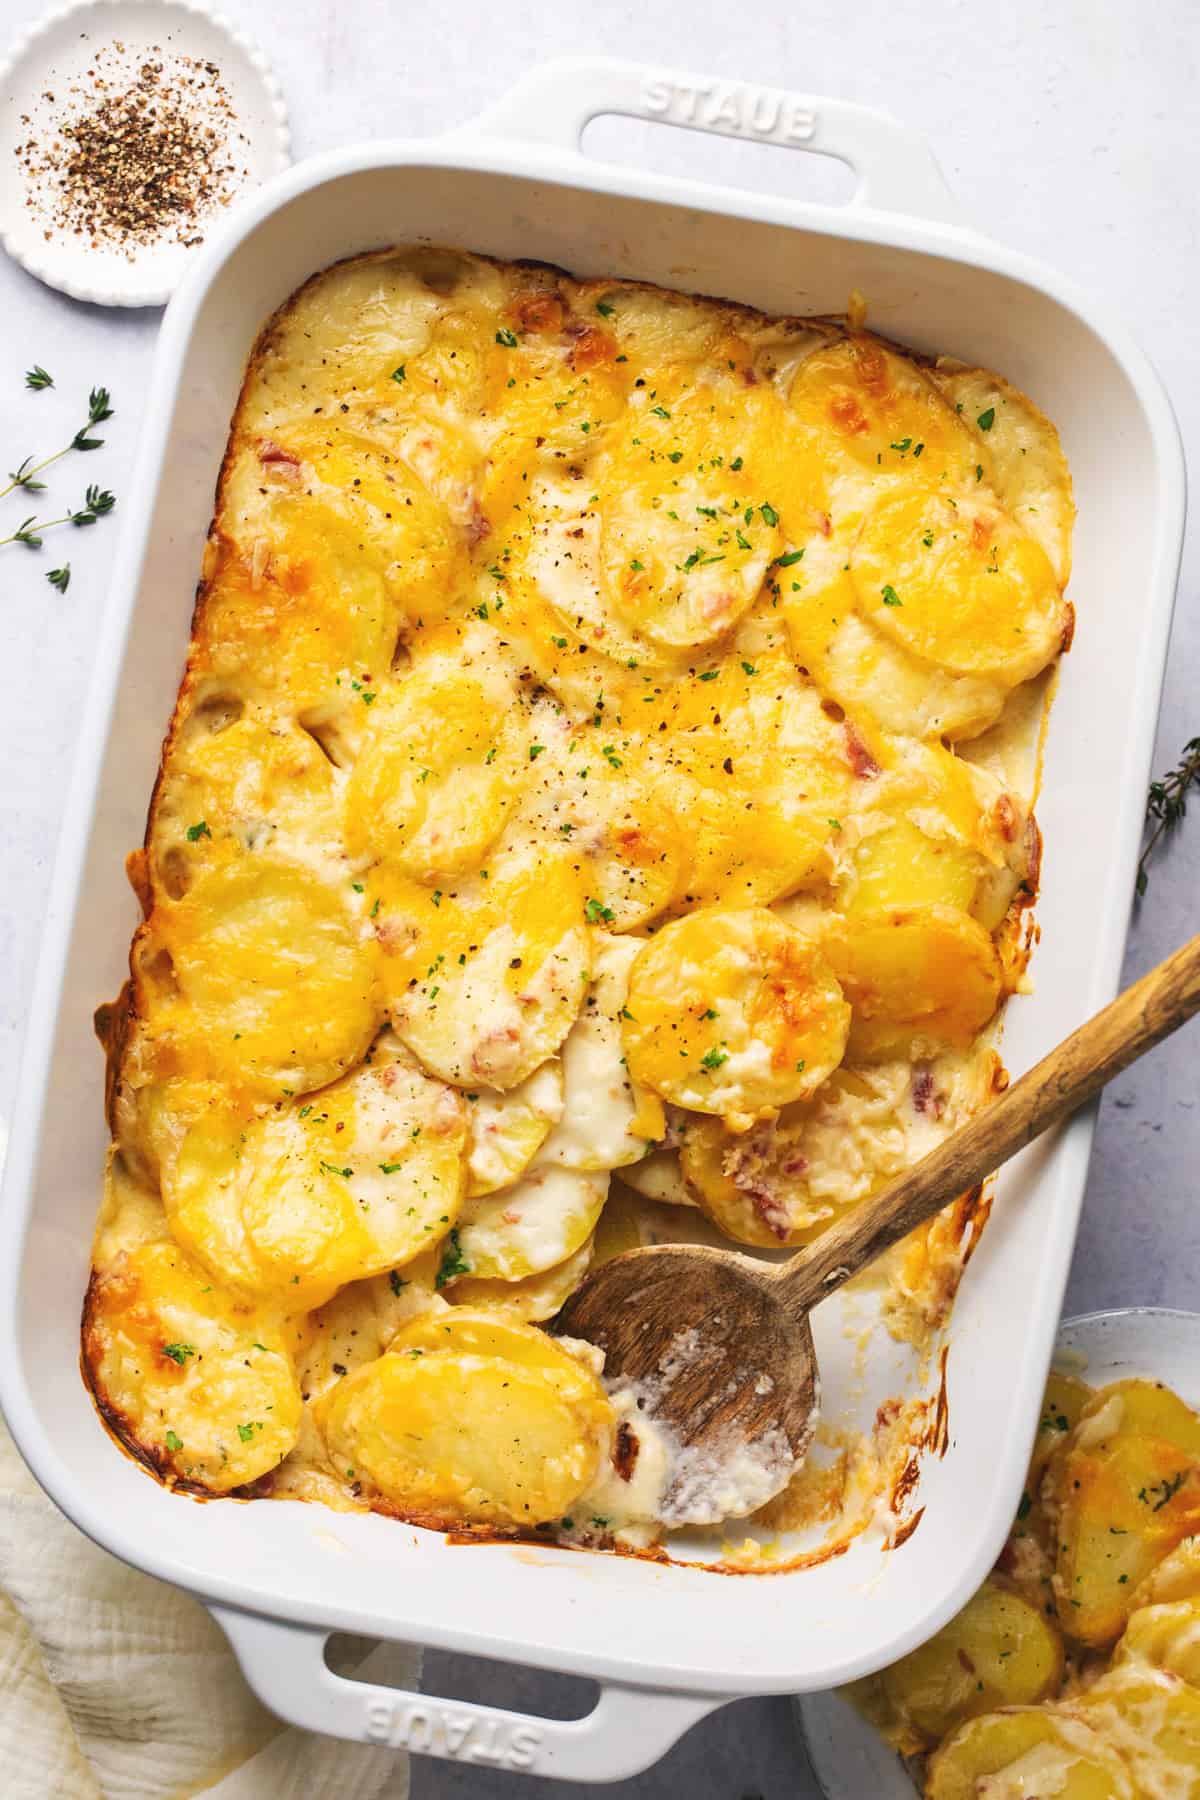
[114, 1686]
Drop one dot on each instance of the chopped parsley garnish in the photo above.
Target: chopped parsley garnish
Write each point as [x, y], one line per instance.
[396, 1282]
[453, 1262]
[400, 373]
[332, 1169]
[605, 308]
[770, 516]
[535, 750]
[389, 1168]
[247, 1431]
[749, 669]
[789, 558]
[987, 419]
[596, 912]
[507, 338]
[712, 1059]
[179, 1353]
[890, 596]
[709, 674]
[199, 830]
[174, 1442]
[660, 412]
[610, 756]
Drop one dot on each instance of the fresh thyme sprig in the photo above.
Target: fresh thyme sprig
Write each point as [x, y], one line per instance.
[60, 578]
[26, 475]
[1166, 804]
[37, 378]
[97, 502]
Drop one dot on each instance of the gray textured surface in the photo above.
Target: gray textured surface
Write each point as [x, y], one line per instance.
[1068, 131]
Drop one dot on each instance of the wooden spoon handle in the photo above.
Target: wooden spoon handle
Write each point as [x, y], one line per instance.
[1138, 1019]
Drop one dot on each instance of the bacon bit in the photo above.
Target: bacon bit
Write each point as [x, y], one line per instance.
[749, 376]
[860, 758]
[494, 1052]
[625, 1452]
[1068, 631]
[824, 524]
[540, 312]
[1006, 817]
[795, 1165]
[924, 1097]
[271, 452]
[394, 934]
[847, 415]
[592, 345]
[478, 526]
[769, 1208]
[511, 1218]
[981, 532]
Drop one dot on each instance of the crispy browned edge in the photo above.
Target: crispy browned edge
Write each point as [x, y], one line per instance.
[114, 1019]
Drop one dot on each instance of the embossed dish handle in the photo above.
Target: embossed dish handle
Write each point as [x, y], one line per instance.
[627, 1731]
[896, 169]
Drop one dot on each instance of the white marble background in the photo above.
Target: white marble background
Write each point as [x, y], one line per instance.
[1069, 130]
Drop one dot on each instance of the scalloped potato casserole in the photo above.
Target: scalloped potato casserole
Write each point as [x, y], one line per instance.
[597, 808]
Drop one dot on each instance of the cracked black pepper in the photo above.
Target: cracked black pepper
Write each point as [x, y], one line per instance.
[139, 157]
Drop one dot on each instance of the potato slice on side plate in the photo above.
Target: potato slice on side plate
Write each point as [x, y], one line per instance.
[918, 978]
[198, 1382]
[1176, 1577]
[520, 1231]
[607, 1120]
[1165, 1637]
[471, 1418]
[999, 1650]
[535, 1298]
[359, 1179]
[508, 1130]
[734, 1013]
[1155, 1719]
[1120, 1508]
[1028, 1752]
[484, 978]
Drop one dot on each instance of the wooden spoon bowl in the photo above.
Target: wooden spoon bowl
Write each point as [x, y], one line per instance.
[718, 1346]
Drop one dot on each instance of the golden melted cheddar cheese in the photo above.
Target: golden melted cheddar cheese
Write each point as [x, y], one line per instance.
[600, 784]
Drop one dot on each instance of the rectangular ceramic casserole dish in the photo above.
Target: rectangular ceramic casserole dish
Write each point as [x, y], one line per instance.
[667, 1643]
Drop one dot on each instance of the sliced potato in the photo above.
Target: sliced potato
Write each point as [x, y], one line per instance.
[1020, 451]
[683, 573]
[1138, 1408]
[1176, 1577]
[958, 583]
[876, 413]
[441, 763]
[606, 1122]
[359, 1180]
[508, 1130]
[1165, 1637]
[761, 774]
[536, 1225]
[484, 979]
[1028, 1751]
[1121, 1507]
[535, 1298]
[501, 1436]
[734, 1013]
[998, 1651]
[877, 679]
[1062, 1403]
[276, 990]
[200, 1382]
[1155, 1719]
[469, 1331]
[250, 782]
[917, 978]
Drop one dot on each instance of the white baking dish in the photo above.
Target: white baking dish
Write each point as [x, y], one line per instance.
[667, 1643]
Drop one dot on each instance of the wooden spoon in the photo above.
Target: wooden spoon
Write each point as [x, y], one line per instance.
[717, 1344]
